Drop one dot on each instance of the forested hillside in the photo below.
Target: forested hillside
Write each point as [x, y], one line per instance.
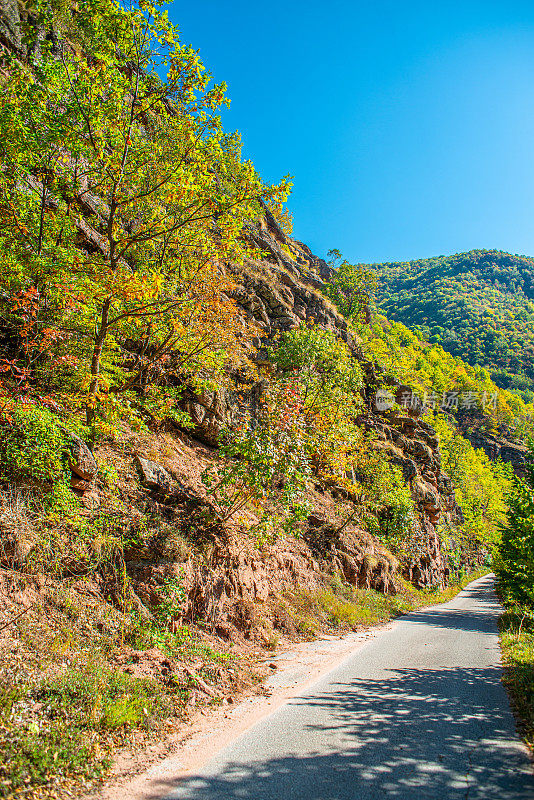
[208, 438]
[477, 305]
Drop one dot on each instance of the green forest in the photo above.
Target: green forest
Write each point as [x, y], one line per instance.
[477, 305]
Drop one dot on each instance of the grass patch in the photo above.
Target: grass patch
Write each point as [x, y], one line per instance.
[74, 691]
[517, 644]
[428, 597]
[351, 608]
[342, 607]
[183, 644]
[63, 729]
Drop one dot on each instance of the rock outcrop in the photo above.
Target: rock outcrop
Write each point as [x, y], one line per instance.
[82, 461]
[153, 475]
[412, 445]
[496, 446]
[280, 288]
[10, 28]
[283, 288]
[238, 586]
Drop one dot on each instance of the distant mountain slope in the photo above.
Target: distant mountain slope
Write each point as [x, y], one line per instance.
[477, 305]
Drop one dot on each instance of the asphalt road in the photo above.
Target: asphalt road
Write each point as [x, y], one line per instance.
[417, 713]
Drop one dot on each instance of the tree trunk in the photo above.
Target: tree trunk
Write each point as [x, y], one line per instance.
[100, 338]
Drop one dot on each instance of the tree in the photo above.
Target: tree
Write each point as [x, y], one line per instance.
[515, 561]
[329, 379]
[480, 490]
[122, 199]
[350, 287]
[268, 459]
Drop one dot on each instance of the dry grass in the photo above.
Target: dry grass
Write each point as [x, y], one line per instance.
[341, 607]
[73, 690]
[18, 531]
[428, 597]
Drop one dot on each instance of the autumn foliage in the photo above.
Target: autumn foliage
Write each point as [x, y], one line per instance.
[123, 207]
[121, 200]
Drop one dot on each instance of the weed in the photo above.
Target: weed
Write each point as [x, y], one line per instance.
[32, 758]
[421, 597]
[172, 601]
[180, 643]
[350, 608]
[80, 715]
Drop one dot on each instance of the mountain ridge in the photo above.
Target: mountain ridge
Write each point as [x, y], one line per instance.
[478, 305]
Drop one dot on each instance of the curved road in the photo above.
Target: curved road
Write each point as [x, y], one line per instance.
[418, 713]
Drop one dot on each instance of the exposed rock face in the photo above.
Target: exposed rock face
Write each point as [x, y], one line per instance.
[362, 562]
[282, 289]
[153, 475]
[280, 300]
[10, 32]
[412, 445]
[236, 587]
[210, 412]
[82, 461]
[496, 447]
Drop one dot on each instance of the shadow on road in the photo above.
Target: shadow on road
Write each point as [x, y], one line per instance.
[396, 738]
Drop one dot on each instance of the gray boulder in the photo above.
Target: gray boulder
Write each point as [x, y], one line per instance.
[82, 461]
[153, 475]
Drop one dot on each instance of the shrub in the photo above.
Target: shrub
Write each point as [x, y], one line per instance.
[268, 459]
[517, 643]
[34, 452]
[350, 287]
[515, 558]
[33, 447]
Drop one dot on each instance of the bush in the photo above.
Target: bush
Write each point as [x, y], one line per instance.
[34, 451]
[33, 447]
[268, 459]
[321, 360]
[515, 560]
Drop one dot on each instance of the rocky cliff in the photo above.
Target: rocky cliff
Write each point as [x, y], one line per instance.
[280, 289]
[500, 444]
[280, 286]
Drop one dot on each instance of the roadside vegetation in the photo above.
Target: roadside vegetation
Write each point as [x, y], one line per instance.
[515, 571]
[80, 679]
[517, 643]
[341, 607]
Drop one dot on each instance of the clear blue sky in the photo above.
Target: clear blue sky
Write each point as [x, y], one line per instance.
[408, 126]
